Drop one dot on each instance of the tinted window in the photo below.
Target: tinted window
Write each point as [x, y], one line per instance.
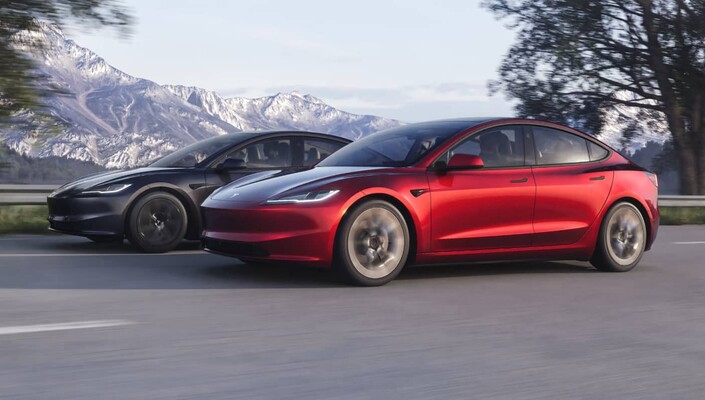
[558, 147]
[500, 147]
[191, 155]
[398, 147]
[316, 150]
[597, 152]
[270, 153]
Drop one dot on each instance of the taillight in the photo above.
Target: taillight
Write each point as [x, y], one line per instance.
[652, 177]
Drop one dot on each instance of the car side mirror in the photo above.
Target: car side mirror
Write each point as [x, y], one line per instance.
[233, 164]
[461, 162]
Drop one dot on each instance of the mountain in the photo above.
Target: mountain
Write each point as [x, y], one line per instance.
[282, 111]
[117, 120]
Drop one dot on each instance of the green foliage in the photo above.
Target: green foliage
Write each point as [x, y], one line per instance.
[23, 219]
[573, 58]
[682, 215]
[20, 87]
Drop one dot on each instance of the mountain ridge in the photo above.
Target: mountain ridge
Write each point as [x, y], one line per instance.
[117, 120]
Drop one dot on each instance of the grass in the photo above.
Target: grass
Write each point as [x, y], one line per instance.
[33, 219]
[23, 219]
[682, 215]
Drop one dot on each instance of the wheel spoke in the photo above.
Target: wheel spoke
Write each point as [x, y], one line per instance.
[376, 241]
[625, 233]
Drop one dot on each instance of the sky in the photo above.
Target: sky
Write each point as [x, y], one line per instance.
[410, 60]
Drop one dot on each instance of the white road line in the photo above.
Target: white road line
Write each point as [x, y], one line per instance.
[173, 253]
[12, 330]
[702, 242]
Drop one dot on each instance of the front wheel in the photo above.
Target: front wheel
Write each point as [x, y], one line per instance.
[622, 239]
[157, 222]
[373, 244]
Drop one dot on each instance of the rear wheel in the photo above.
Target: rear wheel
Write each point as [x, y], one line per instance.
[157, 222]
[373, 244]
[622, 239]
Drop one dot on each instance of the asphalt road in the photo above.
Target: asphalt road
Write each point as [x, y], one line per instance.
[191, 325]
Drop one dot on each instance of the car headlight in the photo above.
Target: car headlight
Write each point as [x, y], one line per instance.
[306, 197]
[108, 189]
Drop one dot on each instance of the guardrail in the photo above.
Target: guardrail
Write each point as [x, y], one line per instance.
[25, 195]
[681, 201]
[37, 195]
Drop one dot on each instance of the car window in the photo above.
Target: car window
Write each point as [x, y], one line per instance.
[270, 153]
[397, 147]
[191, 155]
[558, 147]
[316, 150]
[597, 152]
[498, 147]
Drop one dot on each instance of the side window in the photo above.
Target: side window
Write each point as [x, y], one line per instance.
[317, 149]
[270, 153]
[498, 147]
[558, 147]
[597, 152]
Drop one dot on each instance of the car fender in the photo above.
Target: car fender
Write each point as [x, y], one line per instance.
[411, 204]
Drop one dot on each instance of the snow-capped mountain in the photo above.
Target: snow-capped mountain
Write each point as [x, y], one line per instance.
[282, 111]
[117, 120]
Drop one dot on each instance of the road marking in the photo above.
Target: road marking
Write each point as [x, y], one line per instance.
[689, 242]
[12, 330]
[174, 253]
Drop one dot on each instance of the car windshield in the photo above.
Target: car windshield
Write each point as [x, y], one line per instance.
[193, 154]
[398, 147]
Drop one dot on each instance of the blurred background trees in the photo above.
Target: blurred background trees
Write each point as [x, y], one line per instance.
[572, 59]
[22, 87]
[18, 79]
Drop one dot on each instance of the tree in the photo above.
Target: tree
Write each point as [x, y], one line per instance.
[575, 58]
[18, 78]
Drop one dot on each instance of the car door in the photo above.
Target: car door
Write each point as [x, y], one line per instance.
[487, 208]
[569, 191]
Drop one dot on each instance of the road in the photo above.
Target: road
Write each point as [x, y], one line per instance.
[80, 320]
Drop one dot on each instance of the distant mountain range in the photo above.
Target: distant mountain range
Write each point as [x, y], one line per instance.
[118, 121]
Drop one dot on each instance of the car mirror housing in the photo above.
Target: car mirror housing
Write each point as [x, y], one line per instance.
[460, 162]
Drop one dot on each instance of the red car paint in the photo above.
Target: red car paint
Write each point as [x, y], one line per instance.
[524, 212]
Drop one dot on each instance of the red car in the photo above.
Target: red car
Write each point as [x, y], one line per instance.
[448, 191]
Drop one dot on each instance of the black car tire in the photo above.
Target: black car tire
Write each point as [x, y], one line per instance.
[372, 245]
[622, 239]
[157, 222]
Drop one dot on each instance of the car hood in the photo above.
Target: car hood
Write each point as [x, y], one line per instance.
[263, 190]
[90, 181]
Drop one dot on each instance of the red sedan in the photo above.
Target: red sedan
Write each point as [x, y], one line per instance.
[448, 191]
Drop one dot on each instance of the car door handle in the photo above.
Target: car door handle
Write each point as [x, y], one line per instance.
[519, 180]
[597, 178]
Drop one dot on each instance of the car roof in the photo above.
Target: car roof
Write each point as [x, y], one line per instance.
[247, 135]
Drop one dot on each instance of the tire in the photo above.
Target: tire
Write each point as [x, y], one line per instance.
[104, 239]
[622, 239]
[157, 222]
[372, 245]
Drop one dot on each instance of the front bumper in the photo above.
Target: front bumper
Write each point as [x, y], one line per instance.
[87, 216]
[289, 233]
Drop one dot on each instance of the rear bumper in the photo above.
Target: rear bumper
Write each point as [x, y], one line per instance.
[655, 223]
[89, 216]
